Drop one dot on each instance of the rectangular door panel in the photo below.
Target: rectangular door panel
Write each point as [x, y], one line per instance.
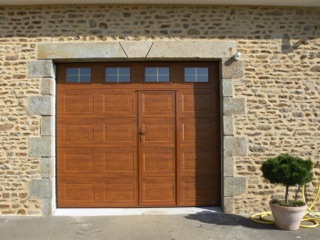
[96, 103]
[157, 132]
[157, 161]
[153, 103]
[97, 192]
[76, 102]
[200, 132]
[199, 191]
[199, 160]
[157, 148]
[158, 191]
[76, 160]
[198, 103]
[97, 132]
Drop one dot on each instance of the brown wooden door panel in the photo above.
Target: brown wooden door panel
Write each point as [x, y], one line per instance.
[138, 144]
[157, 103]
[198, 103]
[73, 132]
[199, 160]
[97, 103]
[75, 102]
[97, 132]
[157, 121]
[97, 192]
[199, 191]
[158, 191]
[200, 132]
[158, 161]
[100, 162]
[158, 132]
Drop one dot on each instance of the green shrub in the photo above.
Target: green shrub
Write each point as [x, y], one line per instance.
[288, 171]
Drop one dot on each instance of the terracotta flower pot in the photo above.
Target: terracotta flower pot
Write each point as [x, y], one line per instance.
[287, 218]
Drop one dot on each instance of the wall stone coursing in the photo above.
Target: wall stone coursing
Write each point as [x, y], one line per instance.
[281, 52]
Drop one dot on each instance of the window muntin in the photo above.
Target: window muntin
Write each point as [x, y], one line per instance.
[117, 74]
[157, 74]
[196, 74]
[78, 75]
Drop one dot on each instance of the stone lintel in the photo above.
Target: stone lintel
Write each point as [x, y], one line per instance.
[40, 188]
[192, 49]
[138, 49]
[235, 146]
[131, 49]
[74, 51]
[41, 69]
[41, 146]
[234, 186]
[41, 105]
[234, 106]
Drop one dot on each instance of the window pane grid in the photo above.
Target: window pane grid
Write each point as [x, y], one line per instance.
[196, 74]
[157, 74]
[121, 74]
[78, 75]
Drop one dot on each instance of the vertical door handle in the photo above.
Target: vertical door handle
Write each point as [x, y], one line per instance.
[140, 133]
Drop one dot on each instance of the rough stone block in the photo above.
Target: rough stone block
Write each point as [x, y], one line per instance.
[48, 86]
[41, 69]
[47, 169]
[253, 180]
[227, 88]
[41, 147]
[228, 205]
[73, 51]
[234, 186]
[232, 69]
[41, 105]
[47, 126]
[46, 207]
[192, 49]
[235, 146]
[228, 128]
[228, 167]
[234, 106]
[40, 188]
[6, 127]
[136, 49]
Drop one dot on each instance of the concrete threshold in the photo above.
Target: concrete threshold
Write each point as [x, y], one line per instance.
[134, 211]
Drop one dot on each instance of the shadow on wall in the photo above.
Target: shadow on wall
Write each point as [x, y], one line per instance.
[107, 22]
[287, 47]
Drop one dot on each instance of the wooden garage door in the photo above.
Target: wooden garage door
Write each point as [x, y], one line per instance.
[138, 134]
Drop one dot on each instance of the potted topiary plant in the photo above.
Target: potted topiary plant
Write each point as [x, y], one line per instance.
[287, 170]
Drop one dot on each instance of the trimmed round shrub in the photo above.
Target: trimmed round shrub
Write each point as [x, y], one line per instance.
[287, 170]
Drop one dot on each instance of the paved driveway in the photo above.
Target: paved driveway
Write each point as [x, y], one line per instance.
[197, 226]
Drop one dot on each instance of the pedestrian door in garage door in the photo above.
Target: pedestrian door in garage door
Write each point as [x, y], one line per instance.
[138, 134]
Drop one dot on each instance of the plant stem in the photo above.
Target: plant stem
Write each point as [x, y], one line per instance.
[287, 193]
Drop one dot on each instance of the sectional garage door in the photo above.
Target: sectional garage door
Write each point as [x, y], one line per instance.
[138, 134]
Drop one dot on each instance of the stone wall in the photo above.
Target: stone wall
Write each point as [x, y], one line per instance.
[280, 49]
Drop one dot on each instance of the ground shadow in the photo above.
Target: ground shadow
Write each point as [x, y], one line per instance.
[228, 220]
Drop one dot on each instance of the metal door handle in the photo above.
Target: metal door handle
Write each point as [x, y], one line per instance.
[141, 133]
